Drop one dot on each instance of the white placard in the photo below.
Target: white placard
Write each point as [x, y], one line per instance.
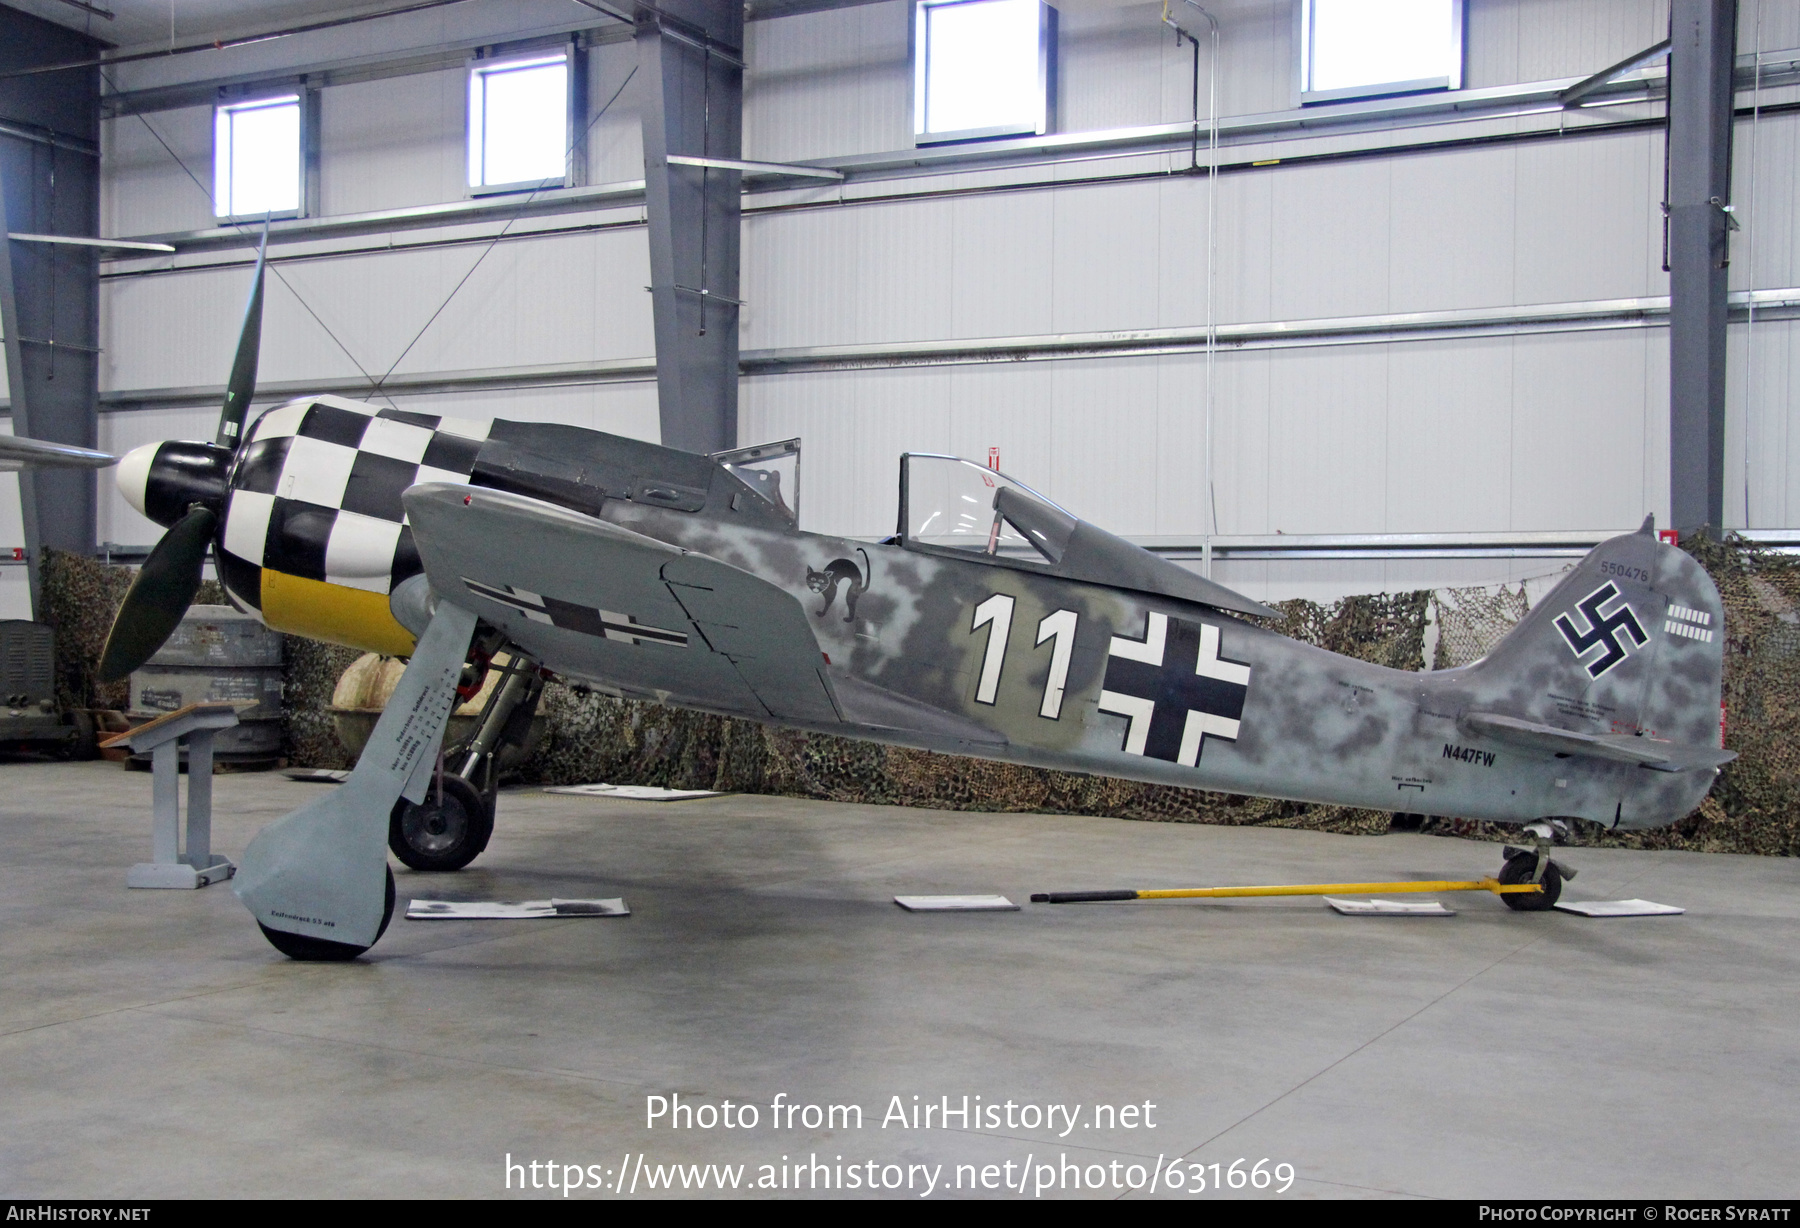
[634, 793]
[1619, 908]
[1388, 908]
[527, 910]
[956, 903]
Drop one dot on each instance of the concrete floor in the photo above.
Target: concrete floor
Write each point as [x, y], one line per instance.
[152, 1044]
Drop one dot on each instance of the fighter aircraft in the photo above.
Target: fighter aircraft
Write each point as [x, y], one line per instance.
[993, 623]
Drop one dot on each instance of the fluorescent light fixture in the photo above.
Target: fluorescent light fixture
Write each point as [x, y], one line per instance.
[256, 157]
[980, 68]
[1366, 48]
[519, 120]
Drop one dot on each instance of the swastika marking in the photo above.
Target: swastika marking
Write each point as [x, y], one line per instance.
[1602, 630]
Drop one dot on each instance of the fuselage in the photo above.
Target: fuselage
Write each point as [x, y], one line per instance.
[1310, 725]
[943, 649]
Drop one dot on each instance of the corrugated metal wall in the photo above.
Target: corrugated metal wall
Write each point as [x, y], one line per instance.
[1479, 434]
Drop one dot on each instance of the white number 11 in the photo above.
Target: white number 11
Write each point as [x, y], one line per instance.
[996, 613]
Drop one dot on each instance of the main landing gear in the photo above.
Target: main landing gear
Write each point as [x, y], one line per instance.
[1533, 865]
[451, 827]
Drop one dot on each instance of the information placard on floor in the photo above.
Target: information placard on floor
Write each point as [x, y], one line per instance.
[956, 903]
[1619, 908]
[1388, 908]
[526, 910]
[634, 793]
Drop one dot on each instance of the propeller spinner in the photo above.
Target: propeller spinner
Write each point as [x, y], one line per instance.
[181, 485]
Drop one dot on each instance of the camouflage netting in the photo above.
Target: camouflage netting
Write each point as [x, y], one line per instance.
[310, 670]
[1755, 807]
[1470, 621]
[80, 596]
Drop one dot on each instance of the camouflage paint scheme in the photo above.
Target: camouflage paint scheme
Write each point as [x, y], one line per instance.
[755, 618]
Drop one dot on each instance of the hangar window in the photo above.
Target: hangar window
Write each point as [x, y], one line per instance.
[256, 157]
[981, 68]
[519, 121]
[1369, 48]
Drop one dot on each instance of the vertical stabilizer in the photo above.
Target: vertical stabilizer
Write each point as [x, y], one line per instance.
[1631, 642]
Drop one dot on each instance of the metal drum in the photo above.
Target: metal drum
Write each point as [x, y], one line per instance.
[218, 655]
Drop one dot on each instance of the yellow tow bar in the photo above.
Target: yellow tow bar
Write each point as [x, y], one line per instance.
[1218, 893]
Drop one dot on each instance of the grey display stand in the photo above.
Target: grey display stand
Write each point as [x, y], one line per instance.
[162, 738]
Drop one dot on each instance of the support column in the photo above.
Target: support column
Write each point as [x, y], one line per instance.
[1703, 45]
[690, 59]
[49, 294]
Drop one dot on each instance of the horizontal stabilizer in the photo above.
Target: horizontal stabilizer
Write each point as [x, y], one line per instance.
[1619, 748]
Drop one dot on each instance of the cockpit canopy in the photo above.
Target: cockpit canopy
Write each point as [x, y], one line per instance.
[772, 470]
[951, 504]
[955, 504]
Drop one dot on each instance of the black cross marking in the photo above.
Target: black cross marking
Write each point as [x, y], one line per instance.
[584, 620]
[1175, 689]
[1602, 630]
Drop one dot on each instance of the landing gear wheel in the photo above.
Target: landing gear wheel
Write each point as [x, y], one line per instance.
[446, 832]
[323, 950]
[1519, 870]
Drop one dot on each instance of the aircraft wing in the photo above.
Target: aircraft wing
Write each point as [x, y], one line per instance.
[594, 600]
[761, 630]
[1619, 748]
[16, 452]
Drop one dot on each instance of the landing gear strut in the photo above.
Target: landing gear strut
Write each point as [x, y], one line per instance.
[451, 827]
[1533, 865]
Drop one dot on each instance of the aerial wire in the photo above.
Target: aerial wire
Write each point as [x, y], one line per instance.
[1750, 324]
[1212, 242]
[494, 242]
[247, 228]
[376, 385]
[1212, 279]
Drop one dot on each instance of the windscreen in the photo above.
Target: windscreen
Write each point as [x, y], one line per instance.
[772, 470]
[954, 504]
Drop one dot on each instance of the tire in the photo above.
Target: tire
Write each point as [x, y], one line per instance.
[442, 834]
[1519, 870]
[323, 950]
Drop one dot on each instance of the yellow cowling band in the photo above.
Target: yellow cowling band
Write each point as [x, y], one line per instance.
[354, 617]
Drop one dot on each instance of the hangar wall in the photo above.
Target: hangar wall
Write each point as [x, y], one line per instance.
[1490, 431]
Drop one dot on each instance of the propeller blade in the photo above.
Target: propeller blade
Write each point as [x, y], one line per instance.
[159, 596]
[242, 385]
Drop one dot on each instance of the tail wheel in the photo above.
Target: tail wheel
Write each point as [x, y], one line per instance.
[1519, 870]
[445, 832]
[323, 950]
